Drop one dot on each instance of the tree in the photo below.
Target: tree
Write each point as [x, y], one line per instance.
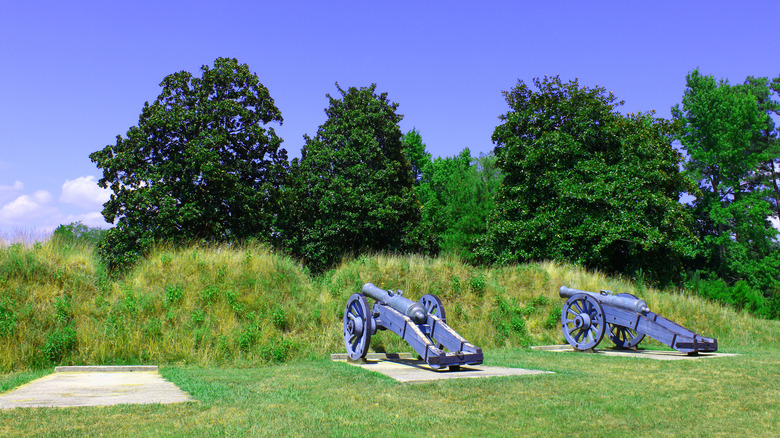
[721, 130]
[200, 164]
[767, 144]
[585, 184]
[415, 152]
[77, 233]
[457, 195]
[353, 186]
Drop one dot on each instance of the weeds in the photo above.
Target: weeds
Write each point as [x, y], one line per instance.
[233, 305]
[60, 342]
[7, 317]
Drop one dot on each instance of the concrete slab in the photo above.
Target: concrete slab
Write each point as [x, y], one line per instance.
[646, 354]
[405, 368]
[95, 386]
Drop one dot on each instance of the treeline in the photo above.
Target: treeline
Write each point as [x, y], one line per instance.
[570, 179]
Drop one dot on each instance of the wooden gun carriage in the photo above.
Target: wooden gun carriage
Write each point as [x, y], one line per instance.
[587, 317]
[422, 324]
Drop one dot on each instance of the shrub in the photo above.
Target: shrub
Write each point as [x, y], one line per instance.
[509, 321]
[59, 343]
[7, 318]
[740, 295]
[173, 294]
[77, 233]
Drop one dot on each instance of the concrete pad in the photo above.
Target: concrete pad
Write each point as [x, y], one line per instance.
[95, 386]
[647, 354]
[405, 368]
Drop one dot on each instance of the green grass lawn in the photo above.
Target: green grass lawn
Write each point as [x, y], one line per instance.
[589, 395]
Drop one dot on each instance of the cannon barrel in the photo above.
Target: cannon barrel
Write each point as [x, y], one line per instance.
[414, 310]
[627, 302]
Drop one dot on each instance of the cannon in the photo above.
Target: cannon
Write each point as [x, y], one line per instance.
[587, 317]
[422, 324]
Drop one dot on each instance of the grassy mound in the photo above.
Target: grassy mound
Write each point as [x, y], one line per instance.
[241, 306]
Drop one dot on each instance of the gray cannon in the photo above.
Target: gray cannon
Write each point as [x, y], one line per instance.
[420, 323]
[587, 316]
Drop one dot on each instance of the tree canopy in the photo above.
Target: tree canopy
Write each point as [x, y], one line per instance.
[586, 184]
[570, 179]
[767, 143]
[727, 137]
[457, 195]
[352, 189]
[201, 164]
[416, 153]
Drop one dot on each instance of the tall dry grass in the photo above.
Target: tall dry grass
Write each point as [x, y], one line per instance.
[245, 305]
[23, 236]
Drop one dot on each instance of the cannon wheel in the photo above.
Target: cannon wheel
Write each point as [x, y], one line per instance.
[625, 337]
[433, 305]
[357, 326]
[583, 322]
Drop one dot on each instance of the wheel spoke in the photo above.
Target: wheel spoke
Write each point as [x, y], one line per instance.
[585, 310]
[587, 307]
[624, 337]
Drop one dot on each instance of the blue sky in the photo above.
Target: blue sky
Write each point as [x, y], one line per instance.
[76, 74]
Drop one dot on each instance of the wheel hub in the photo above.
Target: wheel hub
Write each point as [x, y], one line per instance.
[354, 326]
[582, 321]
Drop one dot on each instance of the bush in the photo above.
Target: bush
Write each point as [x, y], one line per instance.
[77, 233]
[7, 318]
[59, 343]
[740, 295]
[509, 321]
[773, 306]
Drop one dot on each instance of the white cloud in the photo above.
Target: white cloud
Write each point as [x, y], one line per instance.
[84, 192]
[26, 208]
[18, 185]
[8, 192]
[40, 212]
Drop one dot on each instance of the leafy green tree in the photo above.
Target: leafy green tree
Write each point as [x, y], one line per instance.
[458, 195]
[416, 153]
[77, 233]
[200, 164]
[767, 144]
[353, 186]
[585, 184]
[721, 130]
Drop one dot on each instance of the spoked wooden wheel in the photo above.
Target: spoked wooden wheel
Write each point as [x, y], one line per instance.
[357, 326]
[583, 322]
[624, 337]
[433, 305]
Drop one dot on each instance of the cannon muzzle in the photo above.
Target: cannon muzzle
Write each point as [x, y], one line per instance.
[621, 301]
[414, 310]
